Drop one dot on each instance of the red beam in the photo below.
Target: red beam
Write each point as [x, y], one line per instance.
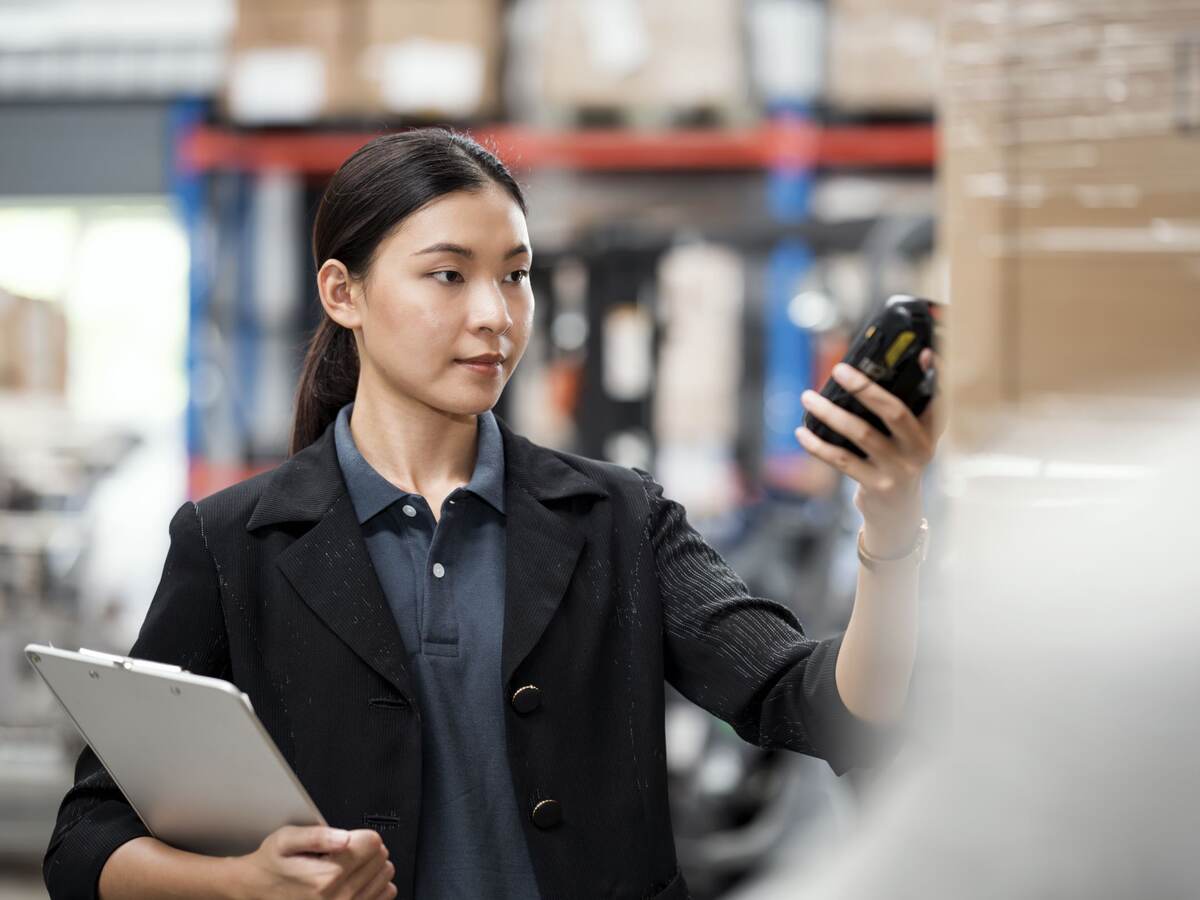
[206, 477]
[769, 145]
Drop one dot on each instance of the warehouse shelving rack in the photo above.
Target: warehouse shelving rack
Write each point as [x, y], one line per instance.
[791, 147]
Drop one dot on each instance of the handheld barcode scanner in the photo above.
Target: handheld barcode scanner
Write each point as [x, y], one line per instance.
[888, 352]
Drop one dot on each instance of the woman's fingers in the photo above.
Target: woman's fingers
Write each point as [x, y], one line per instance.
[871, 440]
[380, 886]
[908, 433]
[891, 460]
[359, 882]
[292, 839]
[360, 861]
[841, 459]
[933, 420]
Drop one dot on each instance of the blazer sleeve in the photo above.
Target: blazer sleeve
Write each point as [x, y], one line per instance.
[183, 626]
[746, 659]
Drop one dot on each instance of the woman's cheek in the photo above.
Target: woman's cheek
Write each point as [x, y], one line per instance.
[523, 324]
[419, 326]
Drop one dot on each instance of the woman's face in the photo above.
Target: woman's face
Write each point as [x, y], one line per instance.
[446, 309]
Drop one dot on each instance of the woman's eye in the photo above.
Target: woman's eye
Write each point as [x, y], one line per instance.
[519, 275]
[452, 277]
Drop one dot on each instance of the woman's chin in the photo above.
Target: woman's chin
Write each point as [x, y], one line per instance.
[450, 396]
[467, 403]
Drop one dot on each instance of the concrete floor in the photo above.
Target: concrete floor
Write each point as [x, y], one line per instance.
[21, 882]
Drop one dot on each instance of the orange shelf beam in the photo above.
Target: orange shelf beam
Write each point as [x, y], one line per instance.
[206, 477]
[769, 145]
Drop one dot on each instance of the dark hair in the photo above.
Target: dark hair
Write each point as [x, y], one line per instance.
[380, 185]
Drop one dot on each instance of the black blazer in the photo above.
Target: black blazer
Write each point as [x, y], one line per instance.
[610, 591]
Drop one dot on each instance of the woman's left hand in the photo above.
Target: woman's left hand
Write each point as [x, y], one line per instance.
[889, 479]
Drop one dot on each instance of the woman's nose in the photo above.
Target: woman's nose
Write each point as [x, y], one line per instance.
[492, 312]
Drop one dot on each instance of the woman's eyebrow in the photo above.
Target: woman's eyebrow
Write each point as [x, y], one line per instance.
[467, 252]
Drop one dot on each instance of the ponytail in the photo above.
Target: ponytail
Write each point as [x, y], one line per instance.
[327, 383]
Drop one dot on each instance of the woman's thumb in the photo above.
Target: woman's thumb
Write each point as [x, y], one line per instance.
[312, 839]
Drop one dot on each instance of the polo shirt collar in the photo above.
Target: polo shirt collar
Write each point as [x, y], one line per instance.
[487, 481]
[371, 493]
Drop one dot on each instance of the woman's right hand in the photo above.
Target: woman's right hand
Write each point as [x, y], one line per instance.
[318, 863]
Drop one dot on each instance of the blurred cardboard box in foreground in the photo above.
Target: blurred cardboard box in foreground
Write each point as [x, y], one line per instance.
[1071, 219]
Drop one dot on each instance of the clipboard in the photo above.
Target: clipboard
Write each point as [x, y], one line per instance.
[187, 751]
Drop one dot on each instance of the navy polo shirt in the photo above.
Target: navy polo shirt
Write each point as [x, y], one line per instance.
[444, 582]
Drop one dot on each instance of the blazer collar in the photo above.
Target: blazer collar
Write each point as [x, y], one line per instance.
[540, 471]
[305, 486]
[330, 568]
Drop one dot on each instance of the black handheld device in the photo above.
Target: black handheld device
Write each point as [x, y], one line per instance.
[888, 352]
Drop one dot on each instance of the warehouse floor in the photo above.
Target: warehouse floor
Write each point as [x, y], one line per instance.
[24, 883]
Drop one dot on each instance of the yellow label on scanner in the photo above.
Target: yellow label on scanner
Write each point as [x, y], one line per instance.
[902, 342]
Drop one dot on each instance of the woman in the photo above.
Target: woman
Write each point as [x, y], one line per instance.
[458, 638]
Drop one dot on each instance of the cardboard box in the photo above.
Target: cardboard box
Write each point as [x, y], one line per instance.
[1071, 220]
[436, 58]
[883, 55]
[33, 345]
[294, 61]
[667, 55]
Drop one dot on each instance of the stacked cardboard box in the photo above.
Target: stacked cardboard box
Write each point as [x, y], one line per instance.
[437, 58]
[296, 61]
[668, 56]
[883, 55]
[293, 61]
[701, 290]
[33, 345]
[1071, 221]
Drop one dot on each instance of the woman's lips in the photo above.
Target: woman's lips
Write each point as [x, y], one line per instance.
[483, 368]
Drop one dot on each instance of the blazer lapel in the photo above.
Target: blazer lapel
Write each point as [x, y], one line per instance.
[331, 570]
[543, 543]
[329, 565]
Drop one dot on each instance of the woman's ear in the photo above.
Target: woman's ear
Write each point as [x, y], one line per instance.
[341, 295]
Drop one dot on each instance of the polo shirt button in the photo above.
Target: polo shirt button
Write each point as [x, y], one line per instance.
[547, 814]
[409, 510]
[438, 570]
[526, 699]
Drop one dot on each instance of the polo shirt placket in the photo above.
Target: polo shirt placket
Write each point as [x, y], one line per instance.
[444, 582]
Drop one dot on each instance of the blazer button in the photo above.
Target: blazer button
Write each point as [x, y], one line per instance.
[526, 699]
[547, 814]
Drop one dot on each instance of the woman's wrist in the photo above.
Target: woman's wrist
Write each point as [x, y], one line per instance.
[235, 875]
[145, 864]
[893, 534]
[890, 548]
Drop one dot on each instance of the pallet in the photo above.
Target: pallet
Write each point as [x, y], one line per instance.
[647, 118]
